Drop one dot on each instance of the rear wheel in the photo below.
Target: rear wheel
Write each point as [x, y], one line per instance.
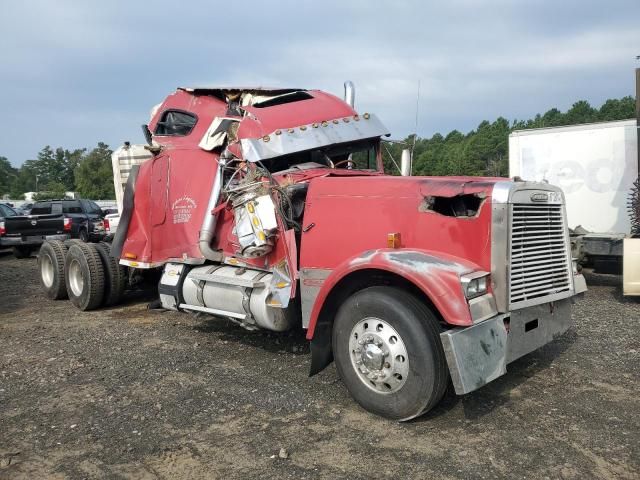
[22, 252]
[84, 276]
[115, 275]
[51, 265]
[387, 350]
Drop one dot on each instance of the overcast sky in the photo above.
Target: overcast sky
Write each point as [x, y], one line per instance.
[75, 73]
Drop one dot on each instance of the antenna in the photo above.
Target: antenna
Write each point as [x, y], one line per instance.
[415, 131]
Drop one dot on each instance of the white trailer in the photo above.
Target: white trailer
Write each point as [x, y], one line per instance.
[123, 160]
[596, 165]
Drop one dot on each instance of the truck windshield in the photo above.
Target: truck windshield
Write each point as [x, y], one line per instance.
[355, 156]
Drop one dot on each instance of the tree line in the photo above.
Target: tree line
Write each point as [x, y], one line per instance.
[485, 150]
[54, 172]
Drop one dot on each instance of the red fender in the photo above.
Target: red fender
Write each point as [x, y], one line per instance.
[435, 273]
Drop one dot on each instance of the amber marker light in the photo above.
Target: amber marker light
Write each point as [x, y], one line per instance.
[130, 256]
[393, 240]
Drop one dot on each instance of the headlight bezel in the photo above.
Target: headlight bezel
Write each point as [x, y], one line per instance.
[475, 284]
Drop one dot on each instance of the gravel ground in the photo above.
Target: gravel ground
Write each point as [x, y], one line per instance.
[131, 393]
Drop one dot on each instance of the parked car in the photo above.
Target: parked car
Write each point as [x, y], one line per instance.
[52, 219]
[25, 208]
[5, 211]
[111, 223]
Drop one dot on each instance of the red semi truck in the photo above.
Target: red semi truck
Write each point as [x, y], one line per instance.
[270, 207]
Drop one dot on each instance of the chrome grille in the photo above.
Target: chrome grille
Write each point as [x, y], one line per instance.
[540, 264]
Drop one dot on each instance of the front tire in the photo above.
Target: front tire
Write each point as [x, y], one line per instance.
[388, 352]
[84, 276]
[51, 266]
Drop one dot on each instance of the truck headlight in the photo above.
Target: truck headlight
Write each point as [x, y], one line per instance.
[475, 284]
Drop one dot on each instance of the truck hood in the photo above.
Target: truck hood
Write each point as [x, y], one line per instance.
[393, 186]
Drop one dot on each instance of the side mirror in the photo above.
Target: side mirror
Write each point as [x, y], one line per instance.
[147, 134]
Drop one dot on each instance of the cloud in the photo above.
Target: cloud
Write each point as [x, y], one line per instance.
[75, 73]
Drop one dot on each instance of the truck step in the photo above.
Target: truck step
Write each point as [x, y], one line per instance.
[237, 282]
[213, 311]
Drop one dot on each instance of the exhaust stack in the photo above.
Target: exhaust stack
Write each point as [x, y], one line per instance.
[350, 93]
[405, 163]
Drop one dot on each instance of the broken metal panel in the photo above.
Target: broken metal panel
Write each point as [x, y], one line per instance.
[226, 90]
[308, 137]
[218, 133]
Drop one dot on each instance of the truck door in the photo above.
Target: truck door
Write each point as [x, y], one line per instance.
[159, 190]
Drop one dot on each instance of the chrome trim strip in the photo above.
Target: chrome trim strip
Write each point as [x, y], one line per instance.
[307, 137]
[500, 242]
[311, 281]
[135, 264]
[482, 307]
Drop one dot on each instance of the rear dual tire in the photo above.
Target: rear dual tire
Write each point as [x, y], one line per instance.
[84, 277]
[115, 275]
[51, 260]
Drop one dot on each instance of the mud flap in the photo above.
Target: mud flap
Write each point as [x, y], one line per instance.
[125, 216]
[476, 355]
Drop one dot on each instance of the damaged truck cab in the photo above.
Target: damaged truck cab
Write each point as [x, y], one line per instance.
[270, 207]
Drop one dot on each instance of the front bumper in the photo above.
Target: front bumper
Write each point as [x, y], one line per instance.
[29, 241]
[479, 354]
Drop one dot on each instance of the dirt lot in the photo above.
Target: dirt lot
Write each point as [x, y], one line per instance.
[132, 393]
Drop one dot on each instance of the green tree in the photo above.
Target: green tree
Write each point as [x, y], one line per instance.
[484, 151]
[581, 112]
[25, 180]
[8, 176]
[52, 190]
[94, 174]
[614, 109]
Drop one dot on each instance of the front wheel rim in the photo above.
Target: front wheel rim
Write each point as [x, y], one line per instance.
[378, 355]
[76, 280]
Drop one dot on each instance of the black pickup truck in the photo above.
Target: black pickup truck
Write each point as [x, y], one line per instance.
[49, 220]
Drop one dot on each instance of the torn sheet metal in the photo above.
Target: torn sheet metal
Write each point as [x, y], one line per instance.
[308, 137]
[220, 130]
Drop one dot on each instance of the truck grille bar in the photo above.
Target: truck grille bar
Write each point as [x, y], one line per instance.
[540, 264]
